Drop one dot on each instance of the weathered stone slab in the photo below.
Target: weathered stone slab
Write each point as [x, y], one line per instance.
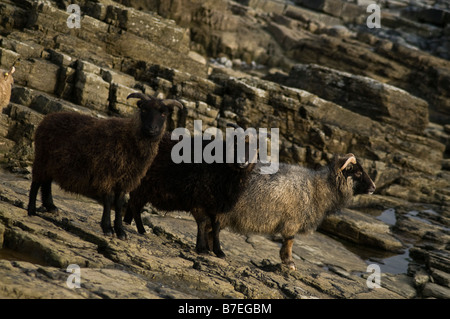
[363, 95]
[91, 91]
[362, 229]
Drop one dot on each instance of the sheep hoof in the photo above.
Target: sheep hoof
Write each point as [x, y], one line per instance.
[121, 235]
[32, 213]
[202, 251]
[108, 232]
[220, 254]
[31, 210]
[291, 266]
[52, 209]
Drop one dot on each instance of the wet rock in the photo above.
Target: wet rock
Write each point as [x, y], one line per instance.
[440, 277]
[337, 258]
[421, 277]
[436, 260]
[413, 224]
[401, 284]
[435, 291]
[361, 229]
[439, 260]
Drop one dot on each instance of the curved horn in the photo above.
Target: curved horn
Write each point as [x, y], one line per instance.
[139, 95]
[10, 72]
[251, 137]
[173, 103]
[233, 125]
[351, 159]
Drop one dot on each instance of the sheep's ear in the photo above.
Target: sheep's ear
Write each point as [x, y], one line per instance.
[344, 162]
[172, 103]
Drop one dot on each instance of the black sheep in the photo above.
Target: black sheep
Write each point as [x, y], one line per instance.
[200, 188]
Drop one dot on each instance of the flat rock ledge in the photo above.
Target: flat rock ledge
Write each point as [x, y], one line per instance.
[38, 250]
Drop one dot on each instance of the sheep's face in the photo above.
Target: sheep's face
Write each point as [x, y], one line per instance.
[355, 174]
[153, 114]
[250, 155]
[247, 165]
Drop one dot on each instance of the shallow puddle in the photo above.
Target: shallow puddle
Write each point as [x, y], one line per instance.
[397, 264]
[388, 217]
[389, 262]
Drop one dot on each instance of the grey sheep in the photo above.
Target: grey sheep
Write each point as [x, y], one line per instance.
[99, 158]
[296, 200]
[6, 82]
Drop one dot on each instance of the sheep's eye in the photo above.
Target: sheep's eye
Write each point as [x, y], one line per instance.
[163, 114]
[358, 174]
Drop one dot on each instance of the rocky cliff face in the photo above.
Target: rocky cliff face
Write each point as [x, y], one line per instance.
[312, 69]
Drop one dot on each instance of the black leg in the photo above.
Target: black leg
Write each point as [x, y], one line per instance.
[209, 236]
[47, 199]
[215, 223]
[32, 199]
[128, 215]
[138, 220]
[119, 199]
[106, 217]
[134, 210]
[202, 244]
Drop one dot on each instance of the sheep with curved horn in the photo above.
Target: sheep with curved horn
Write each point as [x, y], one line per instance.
[99, 158]
[295, 199]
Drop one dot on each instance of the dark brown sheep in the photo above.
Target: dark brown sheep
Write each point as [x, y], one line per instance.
[200, 188]
[99, 158]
